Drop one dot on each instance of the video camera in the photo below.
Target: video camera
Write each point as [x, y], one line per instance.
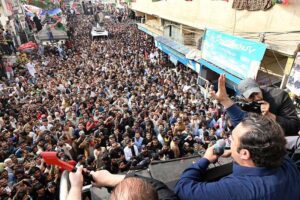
[247, 106]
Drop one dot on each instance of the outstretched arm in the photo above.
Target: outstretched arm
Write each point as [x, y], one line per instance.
[106, 179]
[235, 113]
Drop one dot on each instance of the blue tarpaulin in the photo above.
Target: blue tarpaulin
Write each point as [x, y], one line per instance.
[52, 12]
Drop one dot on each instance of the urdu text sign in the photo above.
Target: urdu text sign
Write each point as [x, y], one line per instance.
[237, 56]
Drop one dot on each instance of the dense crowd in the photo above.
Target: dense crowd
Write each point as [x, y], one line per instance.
[114, 103]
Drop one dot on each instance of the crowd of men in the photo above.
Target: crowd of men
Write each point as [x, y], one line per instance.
[6, 42]
[114, 103]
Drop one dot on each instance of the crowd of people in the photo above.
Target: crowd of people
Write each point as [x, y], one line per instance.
[113, 103]
[6, 42]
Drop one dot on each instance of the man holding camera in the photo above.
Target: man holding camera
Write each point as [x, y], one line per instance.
[274, 103]
[260, 169]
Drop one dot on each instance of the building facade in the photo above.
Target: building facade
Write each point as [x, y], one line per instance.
[179, 27]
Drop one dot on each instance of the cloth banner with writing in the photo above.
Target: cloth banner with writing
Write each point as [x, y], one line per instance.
[252, 5]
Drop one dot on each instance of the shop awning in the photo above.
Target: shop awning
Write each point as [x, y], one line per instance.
[176, 51]
[144, 28]
[173, 44]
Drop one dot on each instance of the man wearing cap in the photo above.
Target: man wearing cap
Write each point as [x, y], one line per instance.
[275, 103]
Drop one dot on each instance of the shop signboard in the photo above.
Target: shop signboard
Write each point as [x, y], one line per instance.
[237, 56]
[293, 83]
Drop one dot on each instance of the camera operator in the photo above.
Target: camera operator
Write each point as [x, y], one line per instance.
[274, 103]
[260, 169]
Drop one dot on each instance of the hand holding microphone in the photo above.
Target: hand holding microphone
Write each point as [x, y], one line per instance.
[214, 152]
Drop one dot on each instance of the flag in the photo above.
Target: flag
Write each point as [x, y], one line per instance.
[293, 83]
[31, 10]
[285, 2]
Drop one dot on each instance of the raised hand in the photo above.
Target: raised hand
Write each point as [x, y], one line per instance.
[221, 95]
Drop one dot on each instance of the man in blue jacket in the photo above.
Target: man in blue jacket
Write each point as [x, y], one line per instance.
[260, 169]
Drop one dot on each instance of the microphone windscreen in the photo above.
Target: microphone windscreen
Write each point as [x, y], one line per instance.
[221, 143]
[219, 147]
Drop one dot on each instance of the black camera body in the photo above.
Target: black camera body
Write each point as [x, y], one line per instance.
[249, 106]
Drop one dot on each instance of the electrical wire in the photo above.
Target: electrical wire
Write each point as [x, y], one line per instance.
[268, 75]
[284, 40]
[276, 59]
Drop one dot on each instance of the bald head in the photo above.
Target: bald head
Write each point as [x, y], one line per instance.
[134, 189]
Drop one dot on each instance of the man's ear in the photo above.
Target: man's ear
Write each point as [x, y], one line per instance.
[244, 154]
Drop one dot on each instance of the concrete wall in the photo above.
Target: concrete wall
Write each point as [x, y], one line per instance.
[221, 16]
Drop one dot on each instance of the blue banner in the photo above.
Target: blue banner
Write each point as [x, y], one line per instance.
[237, 56]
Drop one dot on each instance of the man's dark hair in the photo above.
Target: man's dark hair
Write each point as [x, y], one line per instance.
[265, 141]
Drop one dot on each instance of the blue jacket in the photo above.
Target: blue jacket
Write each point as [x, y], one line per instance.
[244, 183]
[236, 114]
